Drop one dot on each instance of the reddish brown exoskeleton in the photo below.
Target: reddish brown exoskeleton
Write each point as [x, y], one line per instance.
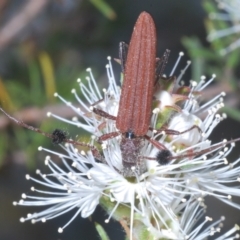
[135, 107]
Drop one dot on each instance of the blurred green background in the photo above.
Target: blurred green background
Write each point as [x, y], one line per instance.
[45, 45]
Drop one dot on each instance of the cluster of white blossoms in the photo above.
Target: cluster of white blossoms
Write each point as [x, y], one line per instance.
[231, 14]
[166, 201]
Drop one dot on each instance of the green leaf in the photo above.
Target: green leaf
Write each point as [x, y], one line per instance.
[4, 140]
[233, 59]
[36, 93]
[104, 8]
[209, 6]
[102, 233]
[231, 112]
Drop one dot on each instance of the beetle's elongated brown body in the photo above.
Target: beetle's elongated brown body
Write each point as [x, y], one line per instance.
[135, 106]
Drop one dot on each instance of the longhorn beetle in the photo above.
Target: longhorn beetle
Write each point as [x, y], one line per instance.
[135, 107]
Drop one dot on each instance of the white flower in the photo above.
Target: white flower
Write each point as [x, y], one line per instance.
[231, 14]
[164, 199]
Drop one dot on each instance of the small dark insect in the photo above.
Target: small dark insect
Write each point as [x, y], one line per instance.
[59, 136]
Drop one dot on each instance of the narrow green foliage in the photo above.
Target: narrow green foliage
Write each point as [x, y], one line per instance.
[36, 92]
[104, 8]
[233, 60]
[122, 211]
[102, 233]
[4, 139]
[209, 6]
[234, 113]
[198, 55]
[48, 75]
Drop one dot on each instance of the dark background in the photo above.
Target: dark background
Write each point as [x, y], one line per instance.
[76, 35]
